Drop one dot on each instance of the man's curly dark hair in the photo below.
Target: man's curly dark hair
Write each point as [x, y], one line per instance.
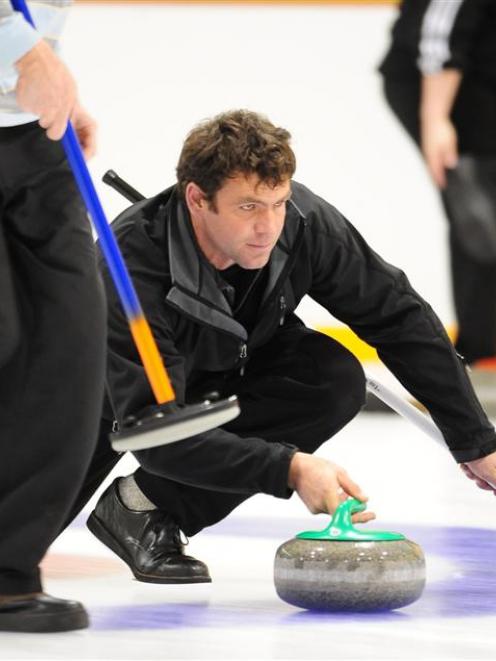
[232, 143]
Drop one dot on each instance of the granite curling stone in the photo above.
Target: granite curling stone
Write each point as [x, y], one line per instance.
[345, 569]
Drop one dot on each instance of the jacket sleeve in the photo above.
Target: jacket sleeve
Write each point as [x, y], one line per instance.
[377, 301]
[448, 32]
[217, 459]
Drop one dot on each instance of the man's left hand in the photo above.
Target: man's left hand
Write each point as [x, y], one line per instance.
[482, 471]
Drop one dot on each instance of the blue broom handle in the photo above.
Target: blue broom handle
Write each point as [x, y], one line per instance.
[108, 244]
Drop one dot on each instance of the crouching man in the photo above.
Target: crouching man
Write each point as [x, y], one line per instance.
[220, 260]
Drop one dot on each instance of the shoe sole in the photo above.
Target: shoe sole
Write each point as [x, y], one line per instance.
[44, 622]
[98, 529]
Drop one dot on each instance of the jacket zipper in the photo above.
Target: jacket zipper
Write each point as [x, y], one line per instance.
[266, 303]
[243, 354]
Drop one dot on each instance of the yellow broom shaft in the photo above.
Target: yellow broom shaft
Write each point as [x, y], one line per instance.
[152, 361]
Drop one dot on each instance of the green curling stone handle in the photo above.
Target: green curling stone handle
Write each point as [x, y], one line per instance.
[341, 528]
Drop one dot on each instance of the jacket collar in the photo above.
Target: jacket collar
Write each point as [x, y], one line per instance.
[195, 286]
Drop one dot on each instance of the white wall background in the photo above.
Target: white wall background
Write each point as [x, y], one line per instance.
[148, 73]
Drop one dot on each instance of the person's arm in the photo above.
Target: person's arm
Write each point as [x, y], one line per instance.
[446, 38]
[438, 136]
[46, 88]
[377, 301]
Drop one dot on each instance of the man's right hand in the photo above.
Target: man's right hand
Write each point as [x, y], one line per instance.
[323, 485]
[46, 88]
[482, 472]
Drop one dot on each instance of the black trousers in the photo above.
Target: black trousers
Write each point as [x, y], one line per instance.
[52, 350]
[301, 388]
[473, 280]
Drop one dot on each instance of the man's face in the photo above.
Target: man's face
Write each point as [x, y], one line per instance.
[243, 225]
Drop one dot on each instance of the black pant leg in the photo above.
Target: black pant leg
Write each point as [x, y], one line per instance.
[300, 388]
[9, 315]
[51, 387]
[103, 461]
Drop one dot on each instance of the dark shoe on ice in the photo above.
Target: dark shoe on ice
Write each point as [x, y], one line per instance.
[41, 613]
[148, 542]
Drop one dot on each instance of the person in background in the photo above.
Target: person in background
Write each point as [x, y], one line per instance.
[52, 317]
[440, 82]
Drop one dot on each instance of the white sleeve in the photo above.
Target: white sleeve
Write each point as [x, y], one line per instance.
[17, 37]
[436, 33]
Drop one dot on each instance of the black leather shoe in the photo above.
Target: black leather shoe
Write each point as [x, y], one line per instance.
[42, 614]
[148, 542]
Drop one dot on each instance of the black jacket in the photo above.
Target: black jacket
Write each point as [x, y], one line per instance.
[320, 254]
[457, 34]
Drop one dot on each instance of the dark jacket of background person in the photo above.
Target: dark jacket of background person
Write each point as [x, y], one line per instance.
[470, 47]
[471, 39]
[320, 254]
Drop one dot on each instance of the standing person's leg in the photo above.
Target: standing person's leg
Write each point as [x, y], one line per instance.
[300, 389]
[474, 291]
[9, 316]
[102, 462]
[51, 388]
[473, 262]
